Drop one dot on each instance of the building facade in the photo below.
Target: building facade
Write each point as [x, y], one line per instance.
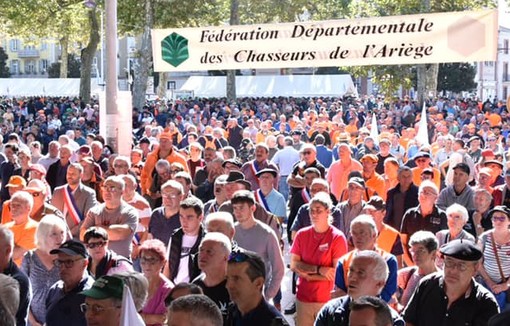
[30, 60]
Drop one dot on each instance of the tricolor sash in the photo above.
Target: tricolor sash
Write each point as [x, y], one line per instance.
[262, 199]
[255, 169]
[136, 239]
[306, 195]
[72, 207]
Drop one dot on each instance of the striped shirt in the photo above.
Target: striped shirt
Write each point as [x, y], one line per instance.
[489, 259]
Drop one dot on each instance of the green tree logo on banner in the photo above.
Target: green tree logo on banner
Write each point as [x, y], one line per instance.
[174, 49]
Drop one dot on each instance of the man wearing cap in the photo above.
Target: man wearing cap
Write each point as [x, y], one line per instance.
[354, 204]
[422, 161]
[37, 189]
[235, 181]
[74, 199]
[65, 297]
[458, 193]
[309, 159]
[103, 301]
[497, 168]
[339, 170]
[452, 297]
[16, 183]
[268, 196]
[373, 180]
[164, 151]
[251, 168]
[285, 159]
[220, 196]
[388, 238]
[427, 216]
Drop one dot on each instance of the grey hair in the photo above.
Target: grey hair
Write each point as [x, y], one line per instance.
[222, 217]
[9, 299]
[138, 285]
[365, 219]
[124, 159]
[461, 210]
[220, 238]
[174, 185]
[199, 307]
[380, 271]
[7, 236]
[25, 197]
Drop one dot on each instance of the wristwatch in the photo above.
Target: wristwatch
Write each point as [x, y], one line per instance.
[479, 226]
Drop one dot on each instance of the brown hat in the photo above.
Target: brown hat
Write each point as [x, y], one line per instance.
[17, 181]
[370, 157]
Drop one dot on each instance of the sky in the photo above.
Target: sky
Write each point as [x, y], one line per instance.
[504, 13]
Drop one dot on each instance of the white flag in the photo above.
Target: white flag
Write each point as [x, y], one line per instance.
[129, 315]
[423, 134]
[374, 132]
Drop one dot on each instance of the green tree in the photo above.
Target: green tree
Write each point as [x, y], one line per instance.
[4, 70]
[45, 19]
[456, 77]
[73, 71]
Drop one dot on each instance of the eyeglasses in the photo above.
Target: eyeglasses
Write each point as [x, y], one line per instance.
[421, 160]
[66, 263]
[149, 261]
[307, 152]
[95, 309]
[175, 171]
[120, 166]
[492, 139]
[498, 218]
[452, 264]
[92, 245]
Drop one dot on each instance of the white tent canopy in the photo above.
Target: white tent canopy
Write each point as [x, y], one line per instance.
[41, 86]
[269, 86]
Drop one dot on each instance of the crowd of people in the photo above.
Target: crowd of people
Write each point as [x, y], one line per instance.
[380, 222]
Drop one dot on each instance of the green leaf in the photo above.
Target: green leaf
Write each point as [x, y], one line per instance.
[174, 49]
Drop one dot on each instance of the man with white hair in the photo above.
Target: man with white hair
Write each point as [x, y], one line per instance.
[213, 254]
[367, 275]
[364, 237]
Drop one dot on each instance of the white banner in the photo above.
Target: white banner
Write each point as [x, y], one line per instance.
[422, 38]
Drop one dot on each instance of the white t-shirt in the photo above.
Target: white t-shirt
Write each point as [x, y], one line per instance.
[188, 242]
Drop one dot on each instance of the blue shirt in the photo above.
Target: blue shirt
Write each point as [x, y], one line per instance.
[285, 159]
[324, 155]
[64, 308]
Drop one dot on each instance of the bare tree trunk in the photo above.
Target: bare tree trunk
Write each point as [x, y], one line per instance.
[231, 74]
[64, 55]
[143, 62]
[87, 55]
[427, 81]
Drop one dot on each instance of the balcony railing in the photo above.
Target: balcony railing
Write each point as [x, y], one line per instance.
[28, 53]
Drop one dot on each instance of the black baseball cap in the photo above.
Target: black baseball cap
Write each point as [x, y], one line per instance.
[71, 248]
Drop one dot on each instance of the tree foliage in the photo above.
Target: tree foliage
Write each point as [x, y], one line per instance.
[456, 77]
[73, 65]
[4, 70]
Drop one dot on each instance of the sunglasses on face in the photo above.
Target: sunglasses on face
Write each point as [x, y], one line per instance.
[92, 245]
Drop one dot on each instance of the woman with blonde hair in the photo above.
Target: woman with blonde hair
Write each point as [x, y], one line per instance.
[38, 265]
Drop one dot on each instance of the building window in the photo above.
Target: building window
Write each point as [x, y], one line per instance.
[43, 66]
[14, 67]
[44, 46]
[170, 85]
[505, 46]
[14, 45]
[29, 67]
